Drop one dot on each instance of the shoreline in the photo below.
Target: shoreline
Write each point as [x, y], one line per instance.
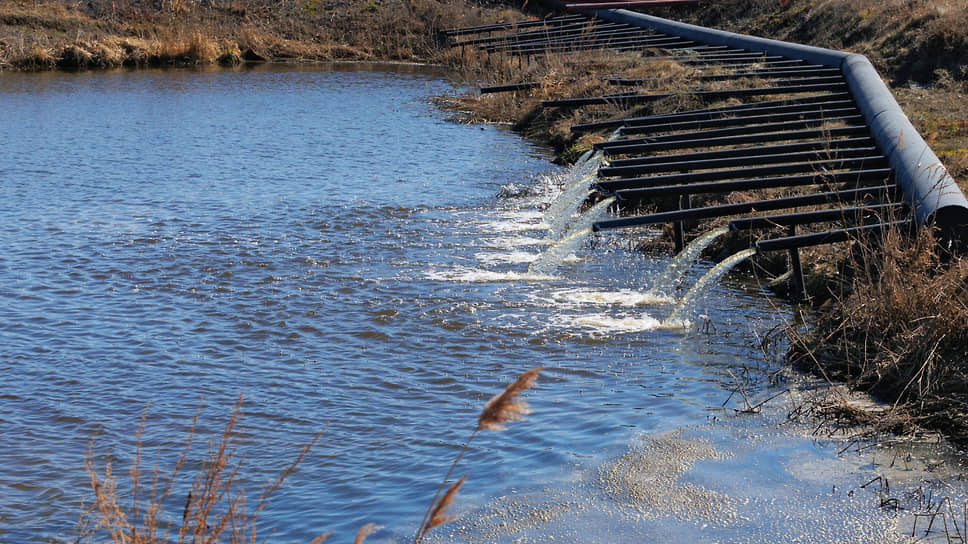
[840, 330]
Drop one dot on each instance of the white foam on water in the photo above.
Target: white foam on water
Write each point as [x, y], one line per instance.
[522, 215]
[607, 324]
[472, 275]
[512, 226]
[623, 297]
[511, 242]
[512, 257]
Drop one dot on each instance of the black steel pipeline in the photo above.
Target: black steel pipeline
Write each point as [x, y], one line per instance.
[510, 87]
[824, 100]
[816, 146]
[786, 126]
[617, 44]
[707, 95]
[847, 195]
[706, 124]
[751, 157]
[817, 168]
[578, 25]
[712, 187]
[583, 31]
[697, 141]
[513, 26]
[856, 213]
[828, 237]
[819, 71]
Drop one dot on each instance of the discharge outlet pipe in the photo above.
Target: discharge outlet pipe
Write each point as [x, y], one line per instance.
[928, 187]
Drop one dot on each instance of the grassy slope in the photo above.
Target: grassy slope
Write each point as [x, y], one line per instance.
[104, 34]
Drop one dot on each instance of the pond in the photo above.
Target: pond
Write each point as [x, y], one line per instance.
[324, 242]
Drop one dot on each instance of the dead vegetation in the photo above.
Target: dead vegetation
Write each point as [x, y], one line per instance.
[908, 40]
[100, 34]
[144, 508]
[896, 324]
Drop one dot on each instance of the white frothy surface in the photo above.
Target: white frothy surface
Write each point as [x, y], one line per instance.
[475, 275]
[621, 297]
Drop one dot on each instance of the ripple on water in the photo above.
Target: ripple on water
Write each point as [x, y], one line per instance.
[382, 306]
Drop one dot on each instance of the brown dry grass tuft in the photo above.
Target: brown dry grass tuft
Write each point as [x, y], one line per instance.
[897, 325]
[47, 34]
[215, 509]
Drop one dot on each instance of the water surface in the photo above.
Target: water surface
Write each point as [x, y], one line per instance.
[325, 241]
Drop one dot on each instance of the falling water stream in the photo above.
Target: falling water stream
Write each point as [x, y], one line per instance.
[666, 282]
[687, 306]
[160, 247]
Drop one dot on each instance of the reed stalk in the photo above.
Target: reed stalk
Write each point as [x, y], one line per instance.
[499, 410]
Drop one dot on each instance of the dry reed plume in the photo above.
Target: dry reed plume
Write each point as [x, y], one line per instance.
[502, 408]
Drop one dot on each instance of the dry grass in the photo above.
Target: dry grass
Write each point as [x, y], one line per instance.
[897, 325]
[216, 509]
[100, 34]
[906, 39]
[563, 75]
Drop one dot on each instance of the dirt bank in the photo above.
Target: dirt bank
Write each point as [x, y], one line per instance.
[103, 34]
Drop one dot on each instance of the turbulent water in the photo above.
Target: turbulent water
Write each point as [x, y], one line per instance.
[325, 242]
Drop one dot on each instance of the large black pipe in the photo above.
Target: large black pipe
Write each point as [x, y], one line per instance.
[847, 195]
[787, 126]
[817, 168]
[697, 140]
[705, 95]
[656, 191]
[769, 117]
[818, 71]
[510, 87]
[551, 21]
[815, 146]
[618, 44]
[562, 36]
[822, 100]
[827, 237]
[752, 157]
[542, 30]
[856, 213]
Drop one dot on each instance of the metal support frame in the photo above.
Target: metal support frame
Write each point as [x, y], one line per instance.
[846, 195]
[799, 293]
[696, 140]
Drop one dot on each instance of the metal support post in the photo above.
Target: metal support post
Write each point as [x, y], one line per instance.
[799, 293]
